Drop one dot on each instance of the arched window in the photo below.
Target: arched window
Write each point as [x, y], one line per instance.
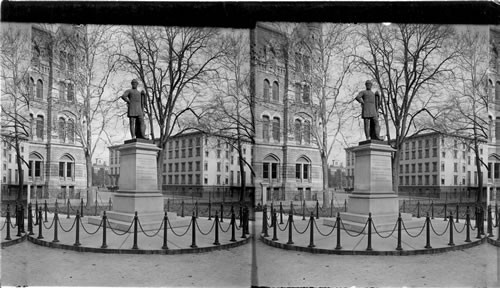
[39, 89]
[36, 166]
[276, 129]
[270, 167]
[31, 87]
[62, 60]
[62, 91]
[266, 90]
[62, 130]
[303, 169]
[71, 131]
[39, 127]
[306, 95]
[265, 128]
[307, 132]
[71, 92]
[66, 168]
[298, 62]
[276, 96]
[298, 92]
[298, 131]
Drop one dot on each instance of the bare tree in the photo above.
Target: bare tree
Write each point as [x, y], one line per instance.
[15, 90]
[466, 115]
[409, 63]
[331, 66]
[172, 63]
[95, 62]
[230, 115]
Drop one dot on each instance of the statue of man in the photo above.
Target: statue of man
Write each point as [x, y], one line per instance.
[369, 104]
[136, 100]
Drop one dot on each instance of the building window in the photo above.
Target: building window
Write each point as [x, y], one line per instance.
[71, 92]
[71, 131]
[198, 151]
[427, 167]
[183, 166]
[434, 166]
[218, 180]
[266, 90]
[442, 166]
[62, 130]
[419, 167]
[298, 92]
[205, 166]
[183, 153]
[298, 131]
[307, 132]
[265, 170]
[276, 129]
[218, 153]
[176, 167]
[265, 128]
[306, 94]
[302, 169]
[170, 167]
[190, 152]
[219, 167]
[39, 89]
[275, 91]
[434, 152]
[198, 179]
[407, 166]
[413, 168]
[455, 167]
[39, 126]
[190, 166]
[198, 165]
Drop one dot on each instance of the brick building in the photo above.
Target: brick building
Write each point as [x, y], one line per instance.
[199, 166]
[434, 165]
[286, 160]
[56, 158]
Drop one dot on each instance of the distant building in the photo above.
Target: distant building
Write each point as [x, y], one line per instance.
[100, 174]
[434, 165]
[114, 165]
[55, 156]
[337, 177]
[287, 163]
[199, 166]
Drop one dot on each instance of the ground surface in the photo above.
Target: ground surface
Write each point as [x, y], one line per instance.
[29, 264]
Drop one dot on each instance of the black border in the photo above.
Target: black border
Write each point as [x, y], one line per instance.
[246, 14]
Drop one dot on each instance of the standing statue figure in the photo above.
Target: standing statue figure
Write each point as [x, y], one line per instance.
[136, 101]
[369, 104]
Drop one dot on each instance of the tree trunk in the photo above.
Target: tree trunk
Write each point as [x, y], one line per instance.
[159, 167]
[88, 164]
[395, 171]
[324, 165]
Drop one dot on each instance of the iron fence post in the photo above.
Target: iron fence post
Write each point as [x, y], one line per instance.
[338, 246]
[135, 231]
[427, 232]
[104, 221]
[311, 231]
[399, 248]
[369, 247]
[193, 237]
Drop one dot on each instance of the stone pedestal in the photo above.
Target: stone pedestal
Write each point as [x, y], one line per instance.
[373, 191]
[138, 190]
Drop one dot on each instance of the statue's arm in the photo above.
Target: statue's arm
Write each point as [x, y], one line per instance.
[125, 97]
[359, 98]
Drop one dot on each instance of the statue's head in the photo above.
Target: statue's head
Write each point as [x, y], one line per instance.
[368, 84]
[134, 83]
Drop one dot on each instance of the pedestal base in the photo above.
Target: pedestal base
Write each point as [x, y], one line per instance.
[149, 221]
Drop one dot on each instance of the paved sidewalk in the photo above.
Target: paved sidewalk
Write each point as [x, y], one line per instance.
[178, 238]
[325, 237]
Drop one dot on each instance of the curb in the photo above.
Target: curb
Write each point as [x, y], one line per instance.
[138, 251]
[15, 241]
[374, 252]
[493, 242]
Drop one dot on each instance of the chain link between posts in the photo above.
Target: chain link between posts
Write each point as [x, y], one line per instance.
[203, 233]
[150, 235]
[228, 227]
[305, 230]
[380, 235]
[51, 224]
[67, 230]
[118, 233]
[91, 233]
[327, 234]
[182, 234]
[440, 234]
[353, 235]
[415, 235]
